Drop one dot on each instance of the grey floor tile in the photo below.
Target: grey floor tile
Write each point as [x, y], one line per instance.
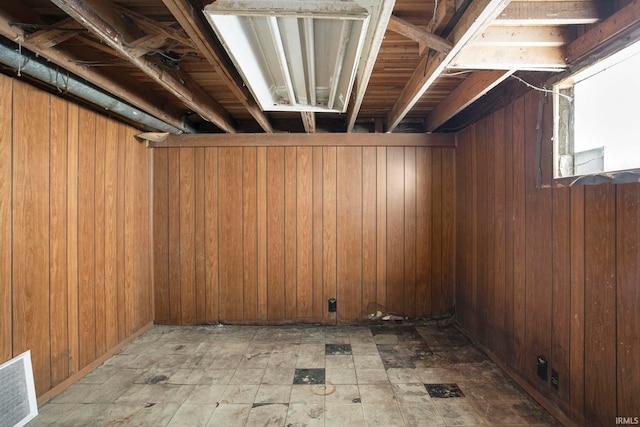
[267, 415]
[206, 394]
[344, 415]
[383, 414]
[273, 393]
[192, 415]
[231, 375]
[305, 415]
[230, 415]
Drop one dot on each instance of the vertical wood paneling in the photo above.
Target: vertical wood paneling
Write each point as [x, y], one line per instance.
[212, 289]
[509, 236]
[395, 229]
[410, 231]
[381, 227]
[262, 233]
[538, 248]
[436, 228]
[304, 229]
[329, 215]
[628, 297]
[562, 261]
[99, 266]
[31, 210]
[161, 236]
[561, 297]
[290, 232]
[86, 236]
[57, 242]
[499, 179]
[249, 214]
[448, 230]
[600, 305]
[423, 232]
[349, 232]
[6, 200]
[313, 225]
[121, 234]
[519, 238]
[275, 234]
[200, 268]
[111, 236]
[369, 240]
[174, 234]
[187, 206]
[230, 237]
[72, 239]
[30, 257]
[318, 291]
[577, 349]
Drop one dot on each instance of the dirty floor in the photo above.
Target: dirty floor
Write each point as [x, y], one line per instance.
[381, 375]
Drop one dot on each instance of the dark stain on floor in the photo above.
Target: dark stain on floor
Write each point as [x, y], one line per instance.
[309, 376]
[444, 391]
[401, 346]
[337, 349]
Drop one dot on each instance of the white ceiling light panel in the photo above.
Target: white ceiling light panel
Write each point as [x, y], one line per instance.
[294, 55]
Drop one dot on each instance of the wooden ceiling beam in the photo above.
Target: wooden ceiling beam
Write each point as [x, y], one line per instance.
[549, 13]
[68, 62]
[444, 13]
[621, 23]
[160, 140]
[364, 74]
[510, 57]
[309, 121]
[195, 25]
[65, 30]
[468, 92]
[537, 36]
[171, 33]
[182, 87]
[425, 39]
[475, 20]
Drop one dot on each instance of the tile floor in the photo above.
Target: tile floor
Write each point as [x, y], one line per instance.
[380, 375]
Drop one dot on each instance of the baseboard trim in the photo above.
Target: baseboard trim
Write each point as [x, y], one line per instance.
[84, 371]
[535, 394]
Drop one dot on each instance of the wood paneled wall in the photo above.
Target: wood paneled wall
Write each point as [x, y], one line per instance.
[551, 271]
[267, 235]
[75, 259]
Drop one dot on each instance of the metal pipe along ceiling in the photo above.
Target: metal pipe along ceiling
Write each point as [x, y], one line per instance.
[49, 73]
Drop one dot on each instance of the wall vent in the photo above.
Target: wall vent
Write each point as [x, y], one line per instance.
[18, 403]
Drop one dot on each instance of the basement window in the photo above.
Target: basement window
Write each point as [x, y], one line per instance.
[597, 127]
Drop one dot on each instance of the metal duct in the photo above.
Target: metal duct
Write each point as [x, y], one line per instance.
[47, 72]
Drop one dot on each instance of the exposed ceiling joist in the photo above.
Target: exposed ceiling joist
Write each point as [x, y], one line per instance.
[549, 13]
[160, 28]
[364, 74]
[444, 12]
[509, 57]
[68, 62]
[46, 39]
[475, 20]
[110, 30]
[309, 121]
[473, 87]
[538, 36]
[194, 23]
[425, 39]
[622, 22]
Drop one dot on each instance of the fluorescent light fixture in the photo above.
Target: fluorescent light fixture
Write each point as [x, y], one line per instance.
[294, 55]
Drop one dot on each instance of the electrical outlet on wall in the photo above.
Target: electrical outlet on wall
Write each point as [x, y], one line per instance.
[543, 367]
